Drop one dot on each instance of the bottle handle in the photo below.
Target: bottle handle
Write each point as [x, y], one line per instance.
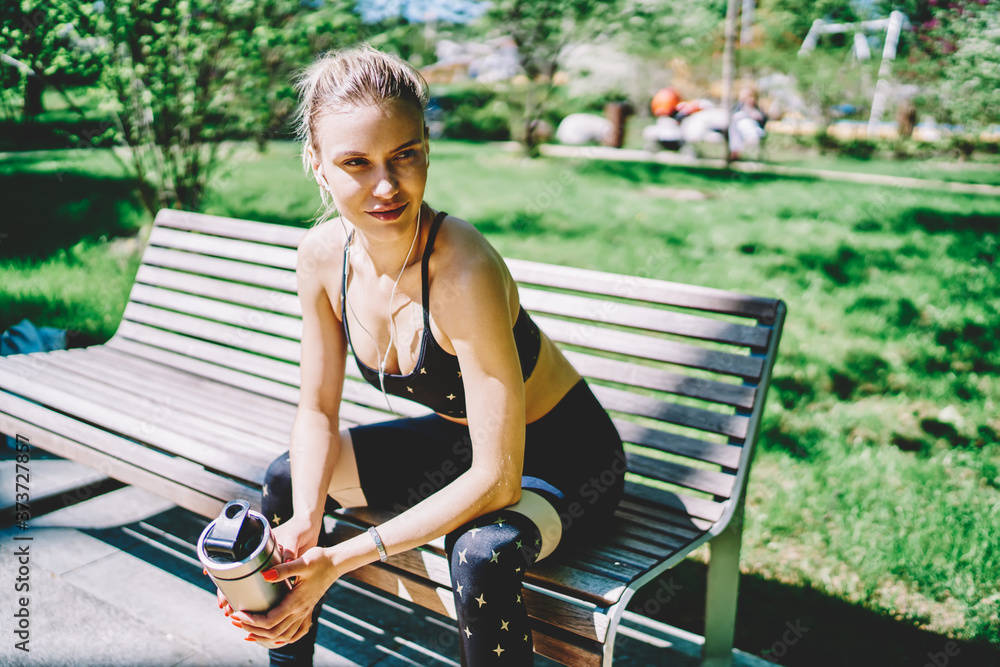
[226, 535]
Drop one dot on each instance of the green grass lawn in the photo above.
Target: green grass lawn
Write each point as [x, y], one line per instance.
[875, 497]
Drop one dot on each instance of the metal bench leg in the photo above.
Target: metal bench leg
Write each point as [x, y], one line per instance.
[723, 586]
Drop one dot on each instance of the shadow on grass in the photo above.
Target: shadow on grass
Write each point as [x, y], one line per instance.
[934, 221]
[794, 625]
[264, 215]
[44, 212]
[651, 172]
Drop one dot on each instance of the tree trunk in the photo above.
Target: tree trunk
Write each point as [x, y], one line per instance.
[728, 68]
[33, 95]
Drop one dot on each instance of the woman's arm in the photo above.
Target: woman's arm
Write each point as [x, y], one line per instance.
[315, 438]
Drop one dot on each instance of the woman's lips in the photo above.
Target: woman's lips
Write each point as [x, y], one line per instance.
[388, 216]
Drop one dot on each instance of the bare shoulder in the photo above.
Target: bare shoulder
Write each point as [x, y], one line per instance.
[462, 254]
[320, 259]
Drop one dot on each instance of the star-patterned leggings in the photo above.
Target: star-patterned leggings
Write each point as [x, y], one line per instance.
[488, 559]
[573, 459]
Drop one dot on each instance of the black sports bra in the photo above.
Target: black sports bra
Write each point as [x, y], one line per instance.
[436, 380]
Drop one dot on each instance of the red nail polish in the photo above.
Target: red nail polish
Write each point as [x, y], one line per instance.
[270, 575]
[237, 624]
[277, 643]
[249, 639]
[204, 571]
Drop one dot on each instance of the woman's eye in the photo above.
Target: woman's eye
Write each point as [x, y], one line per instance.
[407, 154]
[357, 162]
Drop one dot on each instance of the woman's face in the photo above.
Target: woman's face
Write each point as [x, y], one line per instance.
[375, 163]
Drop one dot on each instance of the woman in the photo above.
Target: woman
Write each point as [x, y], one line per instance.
[502, 466]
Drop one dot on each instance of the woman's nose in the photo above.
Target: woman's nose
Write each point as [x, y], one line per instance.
[386, 186]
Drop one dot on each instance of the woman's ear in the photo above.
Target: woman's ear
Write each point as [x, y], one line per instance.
[317, 168]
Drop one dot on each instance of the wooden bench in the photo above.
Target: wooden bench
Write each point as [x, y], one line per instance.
[196, 393]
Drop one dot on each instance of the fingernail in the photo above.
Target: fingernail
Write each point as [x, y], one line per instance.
[270, 575]
[228, 612]
[237, 624]
[276, 643]
[204, 571]
[249, 639]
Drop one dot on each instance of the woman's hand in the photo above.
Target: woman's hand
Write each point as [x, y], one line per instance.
[294, 538]
[314, 573]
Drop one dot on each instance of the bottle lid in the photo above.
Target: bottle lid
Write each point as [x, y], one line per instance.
[235, 534]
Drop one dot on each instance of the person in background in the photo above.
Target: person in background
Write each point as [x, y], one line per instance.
[746, 125]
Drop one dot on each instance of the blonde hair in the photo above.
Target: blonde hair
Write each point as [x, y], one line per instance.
[354, 77]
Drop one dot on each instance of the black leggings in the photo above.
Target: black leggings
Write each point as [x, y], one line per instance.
[573, 459]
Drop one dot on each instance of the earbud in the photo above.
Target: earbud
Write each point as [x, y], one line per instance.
[322, 177]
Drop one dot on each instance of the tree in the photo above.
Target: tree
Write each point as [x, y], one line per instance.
[41, 47]
[965, 42]
[542, 29]
[188, 76]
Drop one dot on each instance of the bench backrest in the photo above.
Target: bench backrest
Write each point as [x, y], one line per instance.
[678, 366]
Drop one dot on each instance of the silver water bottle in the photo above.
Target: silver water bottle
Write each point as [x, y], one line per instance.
[236, 549]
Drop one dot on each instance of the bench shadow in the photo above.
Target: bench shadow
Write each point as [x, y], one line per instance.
[800, 626]
[49, 211]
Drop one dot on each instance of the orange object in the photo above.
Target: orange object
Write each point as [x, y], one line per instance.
[689, 107]
[665, 102]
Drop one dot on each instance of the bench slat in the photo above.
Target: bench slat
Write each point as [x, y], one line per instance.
[169, 437]
[203, 358]
[247, 230]
[177, 348]
[659, 524]
[215, 246]
[707, 481]
[224, 269]
[641, 541]
[130, 368]
[213, 288]
[201, 491]
[686, 505]
[357, 396]
[644, 289]
[727, 456]
[647, 347]
[183, 396]
[657, 543]
[642, 317]
[172, 350]
[246, 319]
[618, 400]
[636, 375]
[158, 414]
[263, 344]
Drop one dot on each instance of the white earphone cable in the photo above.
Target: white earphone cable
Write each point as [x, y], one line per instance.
[382, 361]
